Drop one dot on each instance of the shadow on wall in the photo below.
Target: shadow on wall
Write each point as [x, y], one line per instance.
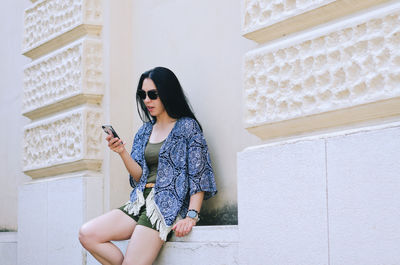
[7, 230]
[226, 215]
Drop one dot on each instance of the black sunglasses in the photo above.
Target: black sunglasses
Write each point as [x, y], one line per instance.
[151, 93]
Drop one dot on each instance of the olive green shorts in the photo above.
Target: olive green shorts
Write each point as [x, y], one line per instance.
[141, 218]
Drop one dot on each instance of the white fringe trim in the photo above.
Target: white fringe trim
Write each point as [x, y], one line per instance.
[134, 207]
[156, 217]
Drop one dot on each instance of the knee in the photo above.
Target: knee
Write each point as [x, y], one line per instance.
[86, 236]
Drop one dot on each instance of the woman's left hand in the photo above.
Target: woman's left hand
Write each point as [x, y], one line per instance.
[184, 226]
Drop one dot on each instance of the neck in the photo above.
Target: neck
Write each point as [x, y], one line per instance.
[164, 120]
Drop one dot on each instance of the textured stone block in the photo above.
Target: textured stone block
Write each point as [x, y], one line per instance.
[261, 13]
[364, 199]
[353, 66]
[282, 204]
[52, 23]
[264, 20]
[67, 142]
[70, 76]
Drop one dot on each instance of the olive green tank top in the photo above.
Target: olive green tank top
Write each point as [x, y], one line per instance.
[151, 155]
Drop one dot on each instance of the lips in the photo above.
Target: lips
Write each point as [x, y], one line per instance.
[150, 108]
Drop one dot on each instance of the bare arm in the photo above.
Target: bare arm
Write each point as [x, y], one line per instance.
[131, 165]
[196, 200]
[184, 226]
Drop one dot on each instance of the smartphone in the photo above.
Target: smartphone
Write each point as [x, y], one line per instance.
[108, 129]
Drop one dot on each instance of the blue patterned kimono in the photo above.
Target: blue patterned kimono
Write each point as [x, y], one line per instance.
[184, 168]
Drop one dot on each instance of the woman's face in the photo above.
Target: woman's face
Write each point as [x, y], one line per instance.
[154, 106]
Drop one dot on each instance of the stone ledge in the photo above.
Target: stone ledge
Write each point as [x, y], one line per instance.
[8, 237]
[357, 114]
[204, 245]
[228, 233]
[59, 41]
[63, 104]
[300, 19]
[67, 167]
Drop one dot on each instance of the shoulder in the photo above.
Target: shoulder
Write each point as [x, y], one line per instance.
[187, 128]
[189, 125]
[144, 128]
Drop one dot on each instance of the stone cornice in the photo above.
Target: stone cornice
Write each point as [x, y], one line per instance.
[266, 20]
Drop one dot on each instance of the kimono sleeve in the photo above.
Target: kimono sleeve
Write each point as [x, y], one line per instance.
[137, 153]
[200, 172]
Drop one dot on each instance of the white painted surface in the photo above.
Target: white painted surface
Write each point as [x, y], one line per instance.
[285, 217]
[282, 204]
[8, 248]
[65, 214]
[32, 224]
[51, 212]
[364, 198]
[201, 42]
[11, 26]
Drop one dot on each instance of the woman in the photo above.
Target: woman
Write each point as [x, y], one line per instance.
[170, 173]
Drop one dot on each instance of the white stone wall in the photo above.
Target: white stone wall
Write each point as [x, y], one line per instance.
[63, 152]
[8, 248]
[50, 214]
[11, 136]
[323, 88]
[329, 199]
[282, 217]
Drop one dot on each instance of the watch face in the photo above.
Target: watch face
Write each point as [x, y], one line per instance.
[192, 214]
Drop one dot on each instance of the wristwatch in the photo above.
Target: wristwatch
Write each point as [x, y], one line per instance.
[193, 214]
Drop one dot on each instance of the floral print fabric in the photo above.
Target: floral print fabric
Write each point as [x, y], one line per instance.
[184, 168]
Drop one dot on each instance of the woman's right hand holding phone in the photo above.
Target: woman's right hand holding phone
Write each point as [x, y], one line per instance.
[118, 146]
[115, 144]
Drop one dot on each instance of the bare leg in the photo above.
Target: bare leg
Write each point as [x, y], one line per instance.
[95, 236]
[144, 246]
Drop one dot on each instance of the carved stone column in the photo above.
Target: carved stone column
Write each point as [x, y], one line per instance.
[63, 90]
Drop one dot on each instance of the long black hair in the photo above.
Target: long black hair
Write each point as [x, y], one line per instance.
[170, 92]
